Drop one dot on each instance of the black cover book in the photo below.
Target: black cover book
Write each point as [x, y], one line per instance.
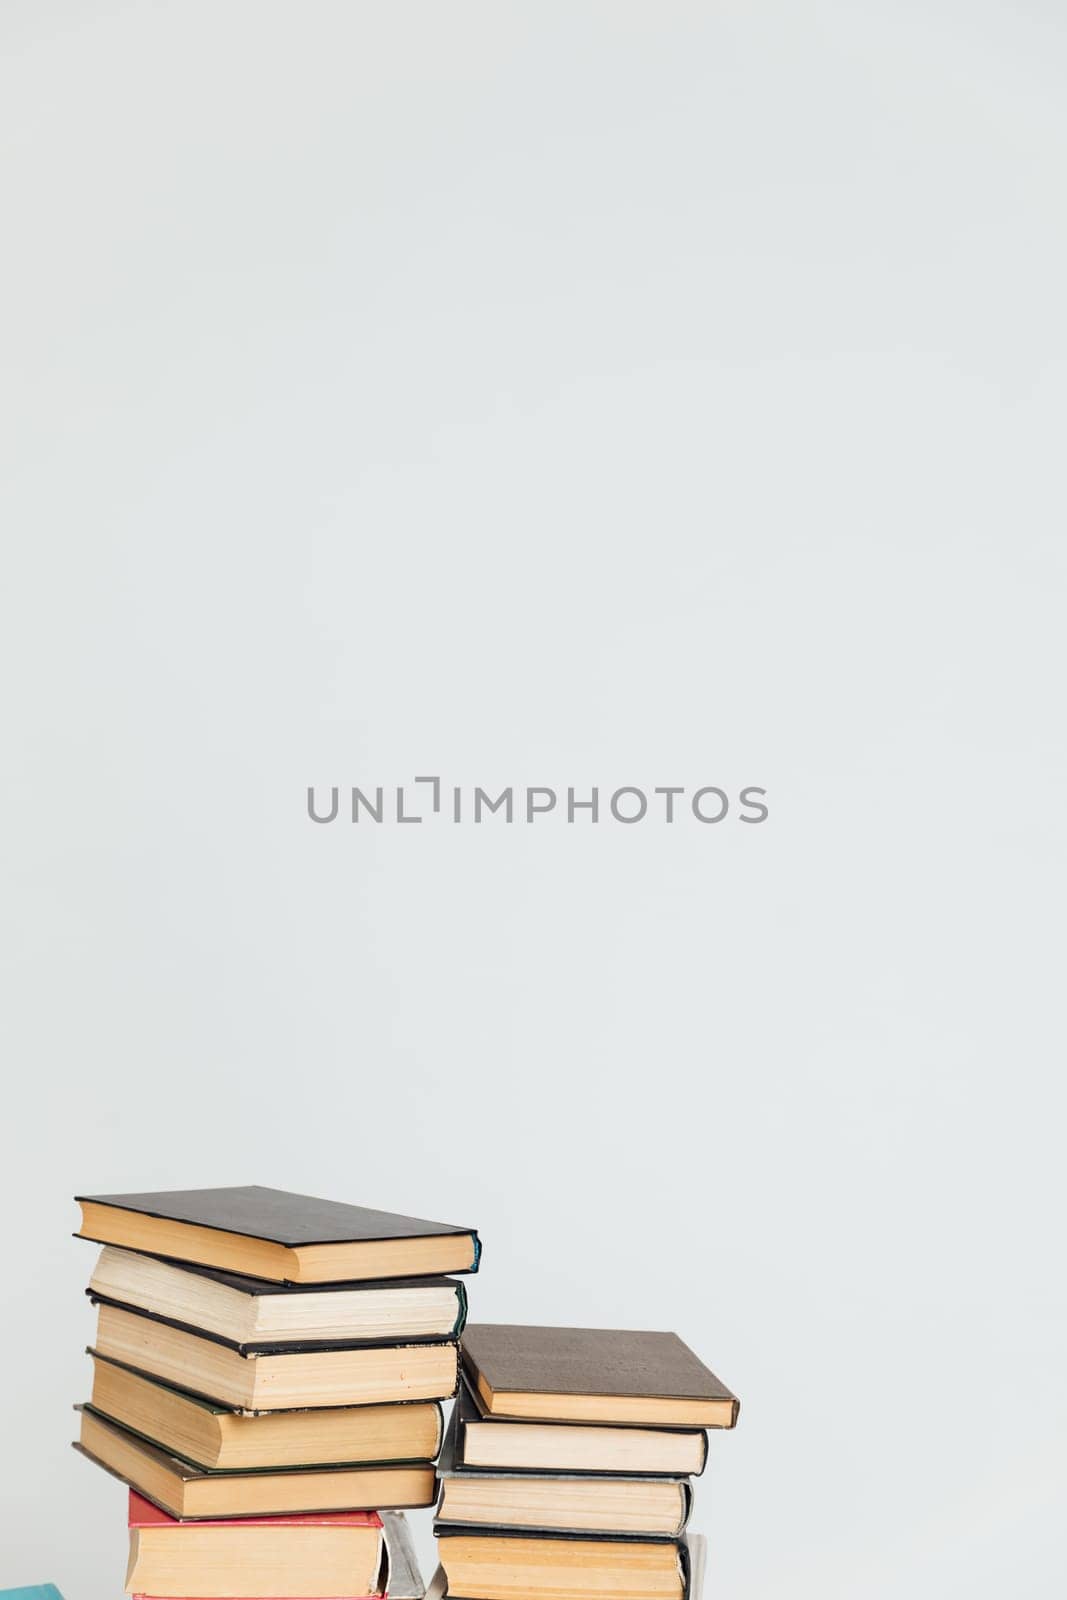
[289, 1346]
[274, 1214]
[274, 1347]
[246, 1283]
[285, 1377]
[270, 1233]
[468, 1409]
[443, 1531]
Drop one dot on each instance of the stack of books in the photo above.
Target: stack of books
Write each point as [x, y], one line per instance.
[268, 1372]
[568, 1464]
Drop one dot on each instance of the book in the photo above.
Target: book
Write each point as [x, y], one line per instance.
[403, 1580]
[269, 1233]
[400, 1578]
[189, 1493]
[698, 1556]
[487, 1564]
[490, 1442]
[35, 1591]
[255, 1313]
[336, 1553]
[607, 1375]
[278, 1379]
[656, 1507]
[697, 1543]
[214, 1436]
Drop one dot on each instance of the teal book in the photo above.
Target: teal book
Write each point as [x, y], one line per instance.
[36, 1591]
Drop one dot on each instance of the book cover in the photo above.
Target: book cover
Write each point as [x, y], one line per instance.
[142, 1513]
[275, 1215]
[403, 1579]
[512, 1357]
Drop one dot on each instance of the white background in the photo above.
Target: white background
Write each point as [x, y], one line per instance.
[558, 394]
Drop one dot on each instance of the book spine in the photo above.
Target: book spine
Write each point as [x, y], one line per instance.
[461, 1311]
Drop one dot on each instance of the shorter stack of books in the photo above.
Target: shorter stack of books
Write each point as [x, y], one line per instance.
[268, 1371]
[567, 1466]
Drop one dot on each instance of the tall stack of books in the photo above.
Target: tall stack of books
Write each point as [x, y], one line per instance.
[567, 1469]
[268, 1371]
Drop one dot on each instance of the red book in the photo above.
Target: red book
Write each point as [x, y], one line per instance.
[143, 1514]
[336, 1554]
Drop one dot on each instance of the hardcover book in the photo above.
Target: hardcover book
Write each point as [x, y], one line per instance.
[255, 1313]
[697, 1549]
[606, 1375]
[336, 1553]
[280, 1378]
[401, 1579]
[188, 1493]
[652, 1507]
[484, 1442]
[214, 1436]
[488, 1564]
[270, 1233]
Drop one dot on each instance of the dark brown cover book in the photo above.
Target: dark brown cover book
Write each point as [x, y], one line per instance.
[269, 1233]
[275, 1214]
[576, 1362]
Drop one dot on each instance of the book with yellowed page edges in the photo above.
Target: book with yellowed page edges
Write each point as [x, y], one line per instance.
[653, 1507]
[497, 1444]
[606, 1375]
[280, 1378]
[438, 1585]
[191, 1493]
[270, 1233]
[222, 1438]
[255, 1313]
[335, 1553]
[536, 1564]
